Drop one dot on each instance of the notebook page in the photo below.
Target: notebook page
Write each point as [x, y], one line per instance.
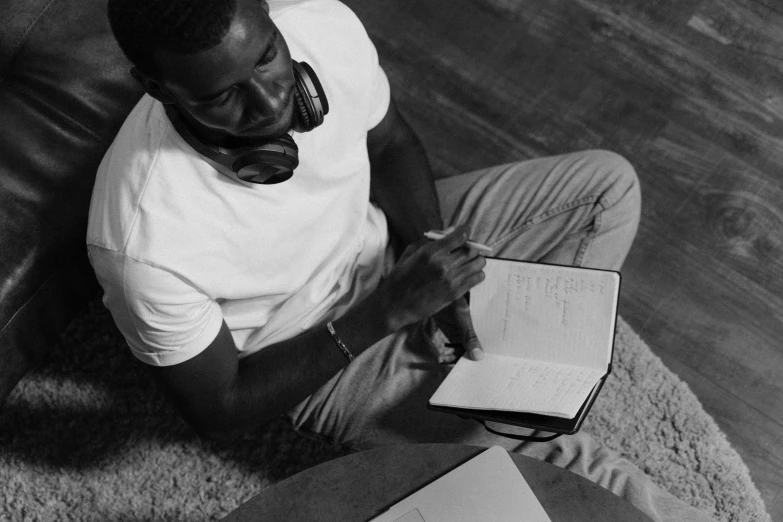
[498, 382]
[552, 313]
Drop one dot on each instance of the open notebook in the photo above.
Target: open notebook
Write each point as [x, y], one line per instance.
[487, 487]
[548, 337]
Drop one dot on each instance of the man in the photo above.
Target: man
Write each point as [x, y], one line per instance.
[313, 297]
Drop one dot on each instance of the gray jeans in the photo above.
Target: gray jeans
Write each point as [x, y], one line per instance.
[577, 209]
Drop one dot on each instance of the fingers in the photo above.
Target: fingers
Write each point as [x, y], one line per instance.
[409, 251]
[469, 271]
[454, 249]
[472, 256]
[457, 238]
[447, 355]
[483, 249]
[470, 341]
[429, 277]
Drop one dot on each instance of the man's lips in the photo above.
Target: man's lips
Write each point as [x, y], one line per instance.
[285, 117]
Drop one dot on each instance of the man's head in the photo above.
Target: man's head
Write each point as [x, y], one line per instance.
[221, 63]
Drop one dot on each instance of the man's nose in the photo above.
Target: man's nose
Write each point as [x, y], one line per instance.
[267, 98]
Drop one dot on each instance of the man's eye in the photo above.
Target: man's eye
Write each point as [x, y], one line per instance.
[271, 55]
[221, 98]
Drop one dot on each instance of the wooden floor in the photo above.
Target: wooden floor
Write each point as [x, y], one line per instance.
[691, 91]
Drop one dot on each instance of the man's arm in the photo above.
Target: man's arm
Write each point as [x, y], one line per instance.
[403, 185]
[220, 396]
[402, 182]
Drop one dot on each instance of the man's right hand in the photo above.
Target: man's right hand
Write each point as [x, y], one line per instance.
[430, 276]
[219, 395]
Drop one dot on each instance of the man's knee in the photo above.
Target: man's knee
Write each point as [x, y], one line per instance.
[622, 190]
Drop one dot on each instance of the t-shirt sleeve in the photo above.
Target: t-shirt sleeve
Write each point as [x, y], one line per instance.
[330, 34]
[380, 91]
[381, 94]
[164, 319]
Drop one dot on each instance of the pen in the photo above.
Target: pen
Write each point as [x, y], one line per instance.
[478, 246]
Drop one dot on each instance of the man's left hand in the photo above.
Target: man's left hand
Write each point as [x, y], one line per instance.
[456, 323]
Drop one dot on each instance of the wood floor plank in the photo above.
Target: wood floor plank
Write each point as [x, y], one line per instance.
[691, 92]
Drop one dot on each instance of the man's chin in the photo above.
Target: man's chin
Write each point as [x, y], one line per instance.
[247, 141]
[262, 136]
[252, 141]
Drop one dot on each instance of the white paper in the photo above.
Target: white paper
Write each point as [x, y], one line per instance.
[498, 382]
[487, 487]
[413, 515]
[546, 312]
[547, 333]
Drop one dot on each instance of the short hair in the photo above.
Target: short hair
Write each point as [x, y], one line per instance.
[142, 27]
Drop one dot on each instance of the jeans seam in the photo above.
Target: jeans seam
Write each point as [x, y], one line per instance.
[581, 252]
[590, 198]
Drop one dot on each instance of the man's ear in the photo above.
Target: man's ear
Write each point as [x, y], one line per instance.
[152, 86]
[264, 5]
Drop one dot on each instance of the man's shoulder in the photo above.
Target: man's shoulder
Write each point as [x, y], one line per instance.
[319, 22]
[315, 8]
[138, 142]
[144, 142]
[330, 37]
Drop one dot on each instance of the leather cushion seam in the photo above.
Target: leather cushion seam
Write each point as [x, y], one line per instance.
[24, 306]
[22, 39]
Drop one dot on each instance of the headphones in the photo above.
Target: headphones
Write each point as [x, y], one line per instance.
[274, 161]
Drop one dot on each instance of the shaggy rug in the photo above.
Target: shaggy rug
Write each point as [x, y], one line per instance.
[88, 437]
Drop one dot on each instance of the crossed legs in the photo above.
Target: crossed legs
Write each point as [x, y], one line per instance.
[577, 209]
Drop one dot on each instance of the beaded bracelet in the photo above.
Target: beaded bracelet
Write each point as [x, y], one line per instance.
[339, 342]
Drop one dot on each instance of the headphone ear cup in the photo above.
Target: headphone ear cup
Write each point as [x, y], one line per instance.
[310, 97]
[302, 121]
[270, 163]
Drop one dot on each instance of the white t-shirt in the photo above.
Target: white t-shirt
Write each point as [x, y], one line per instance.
[179, 247]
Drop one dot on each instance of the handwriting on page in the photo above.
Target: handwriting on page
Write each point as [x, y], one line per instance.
[560, 381]
[545, 312]
[562, 292]
[510, 384]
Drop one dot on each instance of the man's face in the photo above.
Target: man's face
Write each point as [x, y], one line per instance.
[240, 91]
